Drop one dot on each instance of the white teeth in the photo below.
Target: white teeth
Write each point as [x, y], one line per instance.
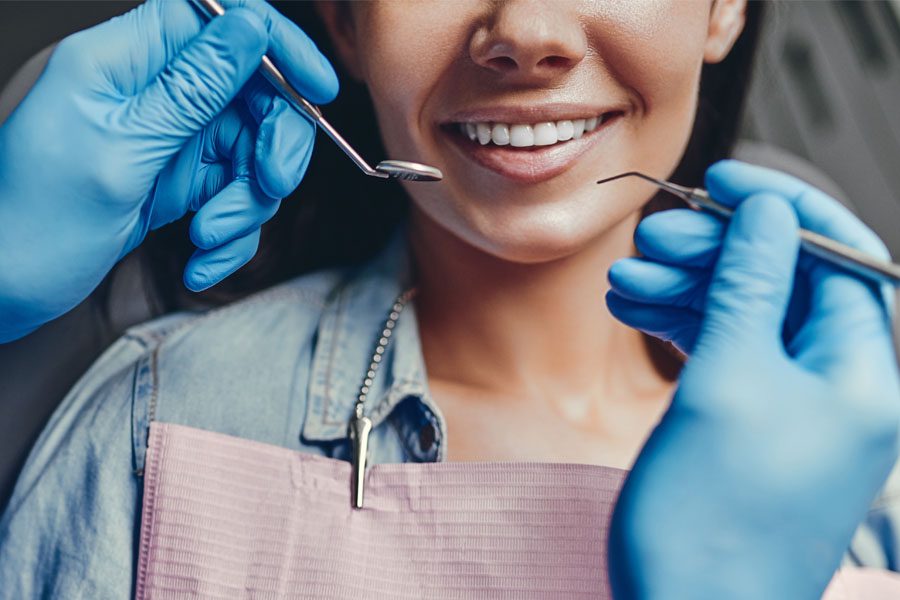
[577, 128]
[500, 134]
[522, 135]
[545, 134]
[484, 133]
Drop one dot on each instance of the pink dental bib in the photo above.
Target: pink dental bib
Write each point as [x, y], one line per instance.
[225, 517]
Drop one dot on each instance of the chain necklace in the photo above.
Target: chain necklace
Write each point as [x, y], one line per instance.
[361, 425]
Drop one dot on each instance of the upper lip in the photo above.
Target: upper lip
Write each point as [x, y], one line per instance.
[518, 113]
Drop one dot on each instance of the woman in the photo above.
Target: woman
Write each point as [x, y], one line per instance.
[507, 351]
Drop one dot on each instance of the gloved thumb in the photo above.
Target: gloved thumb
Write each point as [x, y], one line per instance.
[751, 286]
[199, 82]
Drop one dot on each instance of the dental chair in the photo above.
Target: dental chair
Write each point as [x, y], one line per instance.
[36, 372]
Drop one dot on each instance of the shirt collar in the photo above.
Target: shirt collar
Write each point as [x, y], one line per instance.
[349, 329]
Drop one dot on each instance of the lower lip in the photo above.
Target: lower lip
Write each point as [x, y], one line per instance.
[533, 164]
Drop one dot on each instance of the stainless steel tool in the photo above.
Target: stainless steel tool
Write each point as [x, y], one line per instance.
[399, 169]
[824, 247]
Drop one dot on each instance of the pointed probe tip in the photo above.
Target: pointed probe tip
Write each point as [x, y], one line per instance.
[620, 176]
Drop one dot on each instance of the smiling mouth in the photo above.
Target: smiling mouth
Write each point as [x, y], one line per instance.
[529, 152]
[527, 135]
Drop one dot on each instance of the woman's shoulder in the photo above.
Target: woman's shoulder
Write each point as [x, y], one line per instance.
[287, 355]
[298, 300]
[241, 369]
[194, 356]
[254, 368]
[273, 311]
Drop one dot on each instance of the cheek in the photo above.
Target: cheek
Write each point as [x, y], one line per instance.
[408, 47]
[654, 48]
[649, 41]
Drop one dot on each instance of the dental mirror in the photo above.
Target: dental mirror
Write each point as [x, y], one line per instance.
[409, 171]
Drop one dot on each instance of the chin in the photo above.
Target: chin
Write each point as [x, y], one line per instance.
[540, 245]
[538, 233]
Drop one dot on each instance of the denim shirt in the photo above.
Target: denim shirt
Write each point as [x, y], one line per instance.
[282, 367]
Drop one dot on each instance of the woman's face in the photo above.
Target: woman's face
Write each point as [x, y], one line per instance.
[557, 95]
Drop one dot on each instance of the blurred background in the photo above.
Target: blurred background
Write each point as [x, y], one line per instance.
[824, 105]
[827, 89]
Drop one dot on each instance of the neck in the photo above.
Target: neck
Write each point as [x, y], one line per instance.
[537, 332]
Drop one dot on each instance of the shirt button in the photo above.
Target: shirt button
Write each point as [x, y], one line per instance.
[426, 437]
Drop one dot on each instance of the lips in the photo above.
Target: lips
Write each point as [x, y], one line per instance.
[529, 152]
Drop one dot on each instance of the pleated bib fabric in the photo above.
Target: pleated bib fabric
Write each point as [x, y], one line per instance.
[228, 518]
[231, 518]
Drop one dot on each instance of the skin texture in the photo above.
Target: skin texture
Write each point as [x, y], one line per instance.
[524, 359]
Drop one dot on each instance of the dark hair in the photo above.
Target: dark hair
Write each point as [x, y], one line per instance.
[339, 217]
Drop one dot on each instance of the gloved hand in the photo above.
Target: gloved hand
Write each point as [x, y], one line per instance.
[784, 424]
[134, 123]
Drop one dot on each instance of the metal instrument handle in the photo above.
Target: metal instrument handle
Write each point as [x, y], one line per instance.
[301, 104]
[835, 252]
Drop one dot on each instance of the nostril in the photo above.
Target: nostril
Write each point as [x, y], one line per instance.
[547, 65]
[554, 62]
[502, 63]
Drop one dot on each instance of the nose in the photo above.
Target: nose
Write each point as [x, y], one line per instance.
[529, 40]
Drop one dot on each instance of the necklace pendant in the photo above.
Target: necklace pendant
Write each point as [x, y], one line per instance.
[359, 435]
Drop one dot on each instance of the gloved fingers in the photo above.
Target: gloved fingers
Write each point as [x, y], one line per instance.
[206, 268]
[649, 282]
[227, 154]
[213, 179]
[258, 95]
[847, 329]
[198, 83]
[221, 139]
[283, 142]
[242, 151]
[730, 181]
[238, 209]
[669, 323]
[131, 62]
[284, 148]
[753, 279]
[296, 56]
[681, 236]
[166, 27]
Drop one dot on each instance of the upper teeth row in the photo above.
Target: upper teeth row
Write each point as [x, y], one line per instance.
[520, 136]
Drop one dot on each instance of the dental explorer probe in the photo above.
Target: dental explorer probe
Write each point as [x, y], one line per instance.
[400, 169]
[819, 245]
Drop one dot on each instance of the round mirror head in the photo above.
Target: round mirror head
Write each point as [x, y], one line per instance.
[410, 171]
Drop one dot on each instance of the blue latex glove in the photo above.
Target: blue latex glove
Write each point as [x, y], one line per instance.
[784, 424]
[136, 122]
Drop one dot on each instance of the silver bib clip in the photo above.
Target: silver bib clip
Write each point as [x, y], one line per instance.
[359, 434]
